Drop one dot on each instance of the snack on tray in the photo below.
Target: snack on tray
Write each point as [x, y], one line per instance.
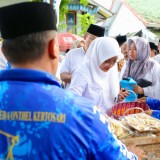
[153, 123]
[118, 128]
[142, 122]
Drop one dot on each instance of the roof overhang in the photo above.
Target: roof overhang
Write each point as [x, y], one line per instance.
[156, 26]
[102, 10]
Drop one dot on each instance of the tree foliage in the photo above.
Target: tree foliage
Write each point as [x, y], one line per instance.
[63, 10]
[84, 2]
[85, 20]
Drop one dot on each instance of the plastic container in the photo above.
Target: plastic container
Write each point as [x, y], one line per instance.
[128, 84]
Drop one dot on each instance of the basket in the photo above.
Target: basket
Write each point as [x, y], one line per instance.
[120, 109]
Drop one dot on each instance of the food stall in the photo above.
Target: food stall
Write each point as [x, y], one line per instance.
[133, 127]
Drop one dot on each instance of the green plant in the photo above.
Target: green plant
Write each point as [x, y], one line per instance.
[84, 2]
[63, 10]
[85, 20]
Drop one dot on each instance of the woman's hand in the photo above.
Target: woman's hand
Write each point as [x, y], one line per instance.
[141, 100]
[137, 89]
[149, 112]
[122, 94]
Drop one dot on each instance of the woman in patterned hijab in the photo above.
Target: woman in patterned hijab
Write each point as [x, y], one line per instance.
[138, 64]
[141, 67]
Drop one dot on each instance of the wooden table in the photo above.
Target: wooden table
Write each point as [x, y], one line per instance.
[150, 145]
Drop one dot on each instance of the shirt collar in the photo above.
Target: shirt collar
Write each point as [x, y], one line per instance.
[27, 75]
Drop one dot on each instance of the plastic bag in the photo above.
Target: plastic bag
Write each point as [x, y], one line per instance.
[118, 128]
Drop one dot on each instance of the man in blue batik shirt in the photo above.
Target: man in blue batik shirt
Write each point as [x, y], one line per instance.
[38, 119]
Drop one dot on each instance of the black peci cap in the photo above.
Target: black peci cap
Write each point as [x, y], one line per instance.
[96, 30]
[153, 46]
[121, 39]
[25, 18]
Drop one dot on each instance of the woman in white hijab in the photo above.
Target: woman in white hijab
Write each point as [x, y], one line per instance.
[97, 77]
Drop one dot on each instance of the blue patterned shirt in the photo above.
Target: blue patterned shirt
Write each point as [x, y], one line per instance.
[154, 105]
[41, 121]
